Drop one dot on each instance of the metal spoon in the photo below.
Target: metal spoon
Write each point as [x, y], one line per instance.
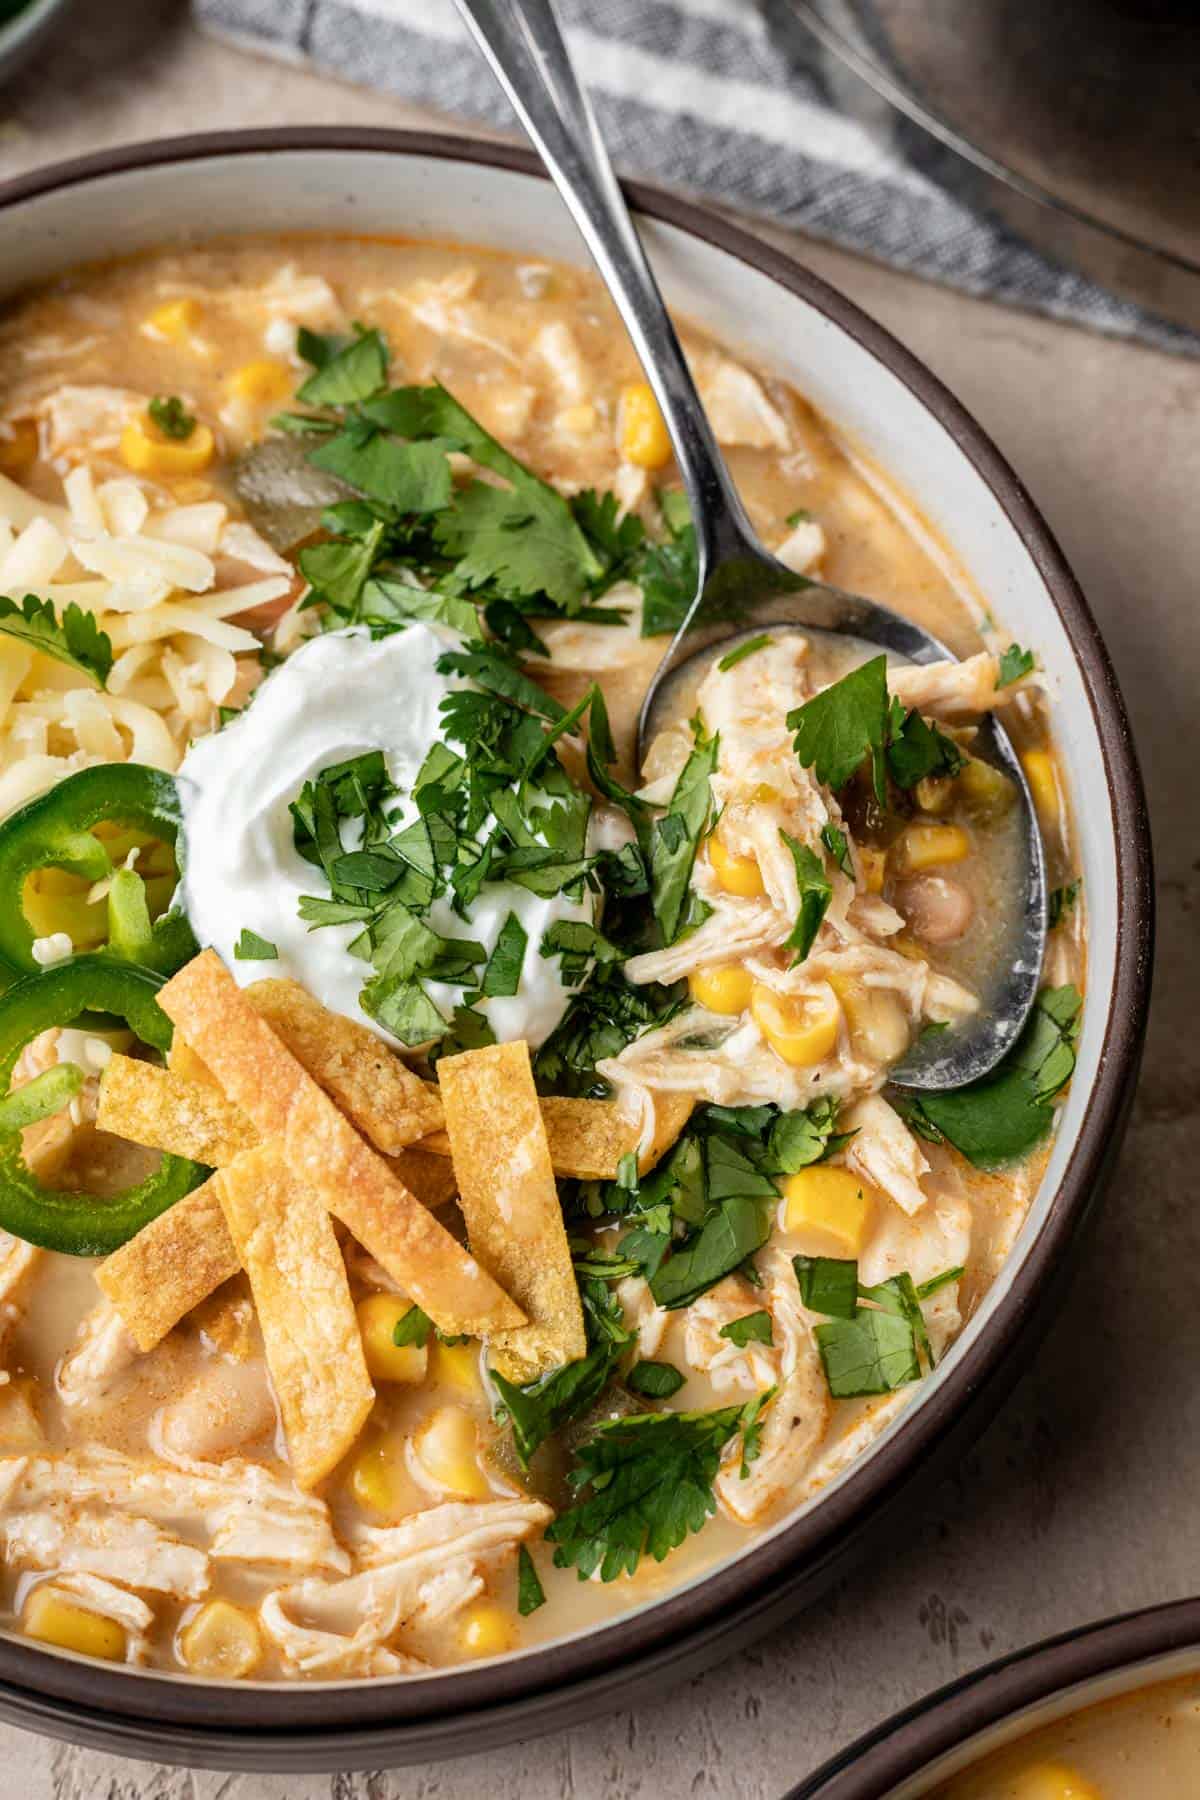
[741, 586]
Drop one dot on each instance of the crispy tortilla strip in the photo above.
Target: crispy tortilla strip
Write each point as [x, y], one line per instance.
[588, 1138]
[510, 1202]
[163, 1110]
[285, 1241]
[261, 1075]
[171, 1265]
[387, 1102]
[183, 1061]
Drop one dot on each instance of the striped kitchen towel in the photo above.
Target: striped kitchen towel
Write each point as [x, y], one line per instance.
[731, 98]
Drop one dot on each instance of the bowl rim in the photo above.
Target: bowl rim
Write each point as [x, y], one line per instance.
[911, 1741]
[751, 1584]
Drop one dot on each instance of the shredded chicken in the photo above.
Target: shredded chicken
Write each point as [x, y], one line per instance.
[795, 1420]
[750, 1367]
[428, 1566]
[951, 690]
[102, 1352]
[884, 1151]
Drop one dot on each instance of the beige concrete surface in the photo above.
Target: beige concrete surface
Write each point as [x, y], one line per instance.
[1080, 1500]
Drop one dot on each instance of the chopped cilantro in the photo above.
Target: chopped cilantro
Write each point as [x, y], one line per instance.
[751, 1328]
[530, 1592]
[828, 1284]
[936, 1282]
[1014, 663]
[646, 1482]
[669, 571]
[252, 948]
[916, 750]
[654, 1380]
[76, 639]
[738, 1227]
[838, 846]
[171, 417]
[413, 1328]
[676, 836]
[1063, 901]
[538, 1409]
[577, 944]
[815, 895]
[1002, 1117]
[345, 374]
[502, 977]
[843, 724]
[741, 651]
[872, 1353]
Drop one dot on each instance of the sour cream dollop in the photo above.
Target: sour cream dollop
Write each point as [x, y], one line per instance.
[337, 696]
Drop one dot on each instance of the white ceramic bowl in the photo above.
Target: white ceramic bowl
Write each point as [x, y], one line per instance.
[888, 404]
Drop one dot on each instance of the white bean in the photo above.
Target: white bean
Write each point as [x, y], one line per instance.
[228, 1405]
[937, 910]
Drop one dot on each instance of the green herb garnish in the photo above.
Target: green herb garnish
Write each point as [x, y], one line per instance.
[752, 1328]
[171, 417]
[76, 639]
[252, 948]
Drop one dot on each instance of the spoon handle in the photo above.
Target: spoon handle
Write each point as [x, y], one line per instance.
[524, 44]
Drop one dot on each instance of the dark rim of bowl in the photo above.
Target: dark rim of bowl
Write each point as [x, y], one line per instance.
[706, 1608]
[910, 1744]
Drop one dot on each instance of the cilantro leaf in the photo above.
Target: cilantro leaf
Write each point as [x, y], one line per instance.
[1002, 1117]
[404, 1008]
[605, 1015]
[252, 948]
[918, 749]
[1063, 901]
[815, 895]
[670, 571]
[647, 1483]
[741, 651]
[654, 1380]
[751, 1328]
[800, 1138]
[676, 836]
[838, 846]
[411, 478]
[350, 374]
[498, 675]
[338, 570]
[172, 417]
[502, 977]
[740, 1226]
[523, 539]
[872, 1353]
[577, 944]
[413, 1328]
[538, 1409]
[843, 724]
[1014, 662]
[76, 639]
[618, 540]
[828, 1284]
[530, 1592]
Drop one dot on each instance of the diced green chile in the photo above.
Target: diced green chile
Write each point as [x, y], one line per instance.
[57, 831]
[75, 1223]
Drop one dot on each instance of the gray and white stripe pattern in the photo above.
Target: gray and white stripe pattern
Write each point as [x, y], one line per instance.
[727, 98]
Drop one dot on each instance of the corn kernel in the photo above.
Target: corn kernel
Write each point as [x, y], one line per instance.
[802, 1031]
[1042, 777]
[1053, 1781]
[222, 1640]
[146, 451]
[829, 1208]
[578, 421]
[879, 1027]
[262, 382]
[377, 1478]
[457, 1366]
[873, 864]
[723, 988]
[986, 793]
[934, 793]
[930, 847]
[485, 1629]
[19, 447]
[446, 1446]
[52, 1620]
[736, 874]
[644, 436]
[174, 320]
[378, 1318]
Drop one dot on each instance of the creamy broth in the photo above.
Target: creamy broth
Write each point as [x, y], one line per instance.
[1144, 1746]
[534, 353]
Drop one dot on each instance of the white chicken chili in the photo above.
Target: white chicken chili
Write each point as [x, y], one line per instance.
[450, 1183]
